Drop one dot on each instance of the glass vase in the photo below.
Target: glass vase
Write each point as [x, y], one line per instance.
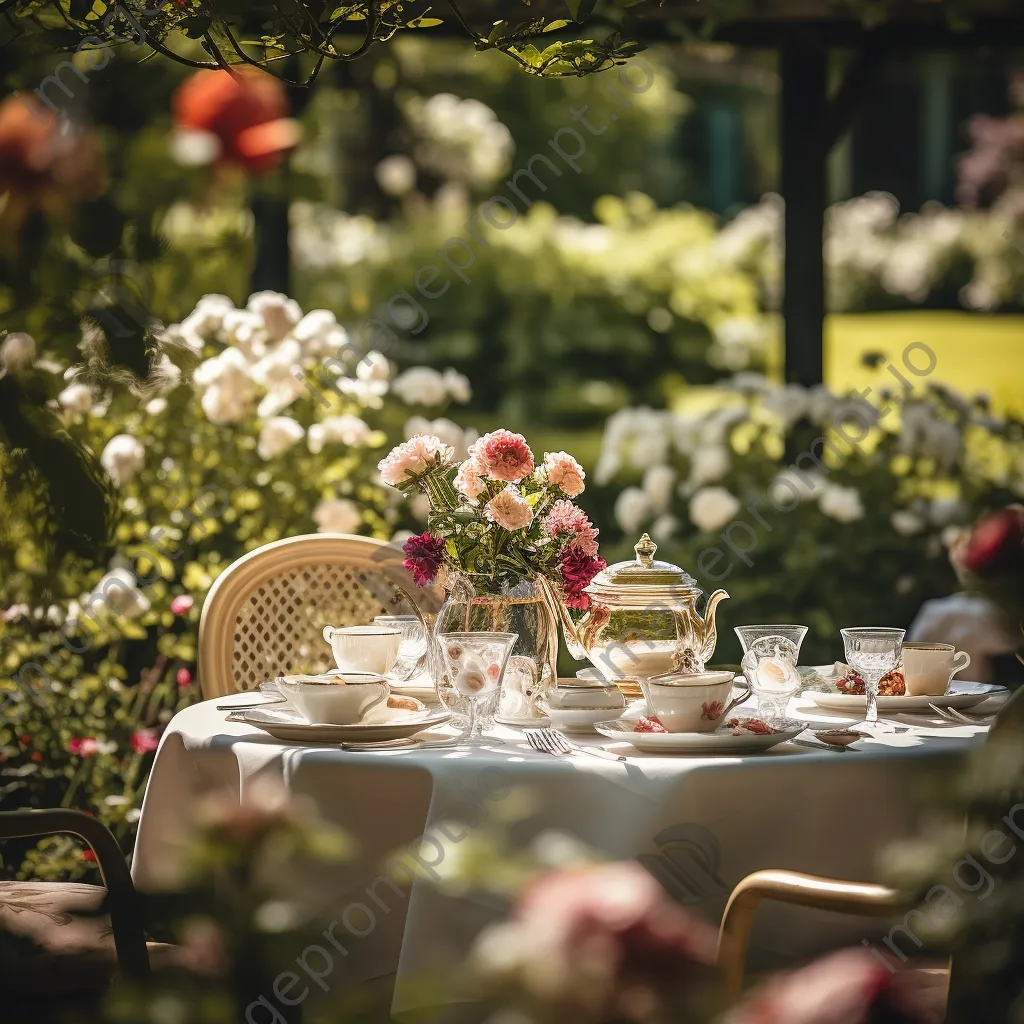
[530, 673]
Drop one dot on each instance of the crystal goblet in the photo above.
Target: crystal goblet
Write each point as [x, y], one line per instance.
[476, 665]
[871, 651]
[412, 651]
[770, 655]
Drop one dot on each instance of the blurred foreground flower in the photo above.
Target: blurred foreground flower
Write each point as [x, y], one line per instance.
[236, 117]
[849, 987]
[598, 944]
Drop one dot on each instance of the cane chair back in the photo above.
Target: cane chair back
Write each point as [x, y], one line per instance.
[265, 615]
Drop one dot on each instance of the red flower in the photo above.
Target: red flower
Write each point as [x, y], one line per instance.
[25, 739]
[237, 117]
[183, 677]
[996, 542]
[710, 710]
[423, 557]
[648, 723]
[89, 855]
[43, 161]
[144, 741]
[849, 987]
[578, 569]
[83, 746]
[181, 604]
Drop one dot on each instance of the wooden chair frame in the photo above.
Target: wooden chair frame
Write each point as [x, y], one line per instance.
[813, 891]
[126, 916]
[215, 663]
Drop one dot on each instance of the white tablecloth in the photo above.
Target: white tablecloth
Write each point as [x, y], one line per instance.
[700, 824]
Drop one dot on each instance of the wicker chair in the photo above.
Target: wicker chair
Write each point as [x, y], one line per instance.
[265, 615]
[62, 940]
[842, 897]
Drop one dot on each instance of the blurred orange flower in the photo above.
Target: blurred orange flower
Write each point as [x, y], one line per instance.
[233, 117]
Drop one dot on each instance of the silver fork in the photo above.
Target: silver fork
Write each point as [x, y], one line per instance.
[952, 715]
[548, 741]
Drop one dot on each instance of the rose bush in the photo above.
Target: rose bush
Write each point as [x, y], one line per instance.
[745, 494]
[96, 657]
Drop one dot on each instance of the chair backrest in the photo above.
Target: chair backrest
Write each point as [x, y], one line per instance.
[265, 615]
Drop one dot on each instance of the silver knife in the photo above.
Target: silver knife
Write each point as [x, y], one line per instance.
[597, 751]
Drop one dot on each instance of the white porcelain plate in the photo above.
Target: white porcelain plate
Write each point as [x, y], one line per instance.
[249, 699]
[961, 694]
[577, 719]
[722, 741]
[421, 687]
[284, 723]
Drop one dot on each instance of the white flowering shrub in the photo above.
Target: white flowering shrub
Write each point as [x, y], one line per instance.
[237, 449]
[878, 258]
[808, 506]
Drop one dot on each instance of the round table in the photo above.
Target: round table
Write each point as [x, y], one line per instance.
[699, 824]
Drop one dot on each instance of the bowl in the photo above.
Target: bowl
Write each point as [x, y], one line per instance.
[584, 696]
[578, 719]
[334, 699]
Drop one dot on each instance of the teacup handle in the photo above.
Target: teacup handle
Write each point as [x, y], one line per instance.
[959, 668]
[385, 692]
[737, 700]
[328, 631]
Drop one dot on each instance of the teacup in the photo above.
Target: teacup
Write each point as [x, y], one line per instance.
[364, 648]
[697, 702]
[928, 668]
[334, 700]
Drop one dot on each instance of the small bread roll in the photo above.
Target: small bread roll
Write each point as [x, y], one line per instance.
[405, 703]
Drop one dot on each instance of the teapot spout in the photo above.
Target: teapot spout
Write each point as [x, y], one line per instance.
[561, 614]
[710, 632]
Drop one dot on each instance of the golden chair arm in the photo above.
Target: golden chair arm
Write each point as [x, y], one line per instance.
[123, 902]
[788, 887]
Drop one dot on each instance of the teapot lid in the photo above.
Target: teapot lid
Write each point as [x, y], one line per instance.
[656, 577]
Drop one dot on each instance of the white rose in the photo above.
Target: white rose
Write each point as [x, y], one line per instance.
[319, 333]
[18, 352]
[337, 515]
[712, 507]
[347, 429]
[657, 485]
[368, 393]
[792, 486]
[277, 371]
[277, 435]
[280, 314]
[156, 407]
[420, 385]
[246, 330]
[118, 591]
[122, 458]
[632, 509]
[395, 174]
[227, 388]
[905, 523]
[206, 320]
[76, 398]
[664, 527]
[457, 385]
[373, 366]
[841, 503]
[708, 464]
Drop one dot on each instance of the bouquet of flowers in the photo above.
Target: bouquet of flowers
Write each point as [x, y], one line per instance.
[497, 516]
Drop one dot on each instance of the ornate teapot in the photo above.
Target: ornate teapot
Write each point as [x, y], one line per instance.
[643, 619]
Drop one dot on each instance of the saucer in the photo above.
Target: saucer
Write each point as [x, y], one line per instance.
[285, 723]
[961, 694]
[722, 741]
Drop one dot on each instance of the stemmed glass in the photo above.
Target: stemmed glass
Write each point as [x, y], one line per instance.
[871, 651]
[770, 655]
[476, 665]
[413, 648]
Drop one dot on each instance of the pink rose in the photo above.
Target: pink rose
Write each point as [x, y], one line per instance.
[181, 604]
[144, 741]
[564, 472]
[83, 747]
[183, 677]
[416, 455]
[509, 509]
[470, 478]
[504, 455]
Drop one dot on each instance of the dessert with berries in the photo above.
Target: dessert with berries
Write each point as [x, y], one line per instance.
[648, 723]
[892, 684]
[741, 726]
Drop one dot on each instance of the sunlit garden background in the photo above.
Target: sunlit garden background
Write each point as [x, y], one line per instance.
[629, 315]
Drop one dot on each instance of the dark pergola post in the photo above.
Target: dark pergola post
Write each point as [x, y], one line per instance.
[804, 155]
